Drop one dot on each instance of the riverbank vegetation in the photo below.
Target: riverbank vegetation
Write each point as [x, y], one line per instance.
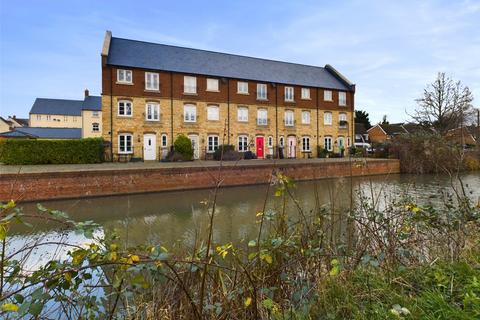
[381, 257]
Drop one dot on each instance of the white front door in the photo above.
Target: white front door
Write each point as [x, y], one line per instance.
[149, 147]
[194, 139]
[291, 145]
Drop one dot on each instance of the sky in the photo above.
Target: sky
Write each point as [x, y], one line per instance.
[390, 49]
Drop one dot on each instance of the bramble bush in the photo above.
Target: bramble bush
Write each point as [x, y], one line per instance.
[30, 151]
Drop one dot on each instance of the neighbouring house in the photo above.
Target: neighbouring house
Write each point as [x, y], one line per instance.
[12, 122]
[361, 133]
[85, 114]
[462, 136]
[42, 133]
[153, 92]
[4, 125]
[381, 133]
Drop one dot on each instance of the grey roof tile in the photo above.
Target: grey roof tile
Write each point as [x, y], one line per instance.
[65, 106]
[52, 133]
[139, 54]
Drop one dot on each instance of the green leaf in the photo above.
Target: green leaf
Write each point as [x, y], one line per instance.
[35, 308]
[3, 232]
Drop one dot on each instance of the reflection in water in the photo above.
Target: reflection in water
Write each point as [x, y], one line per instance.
[179, 219]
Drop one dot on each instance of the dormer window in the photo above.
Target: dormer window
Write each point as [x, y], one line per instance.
[124, 76]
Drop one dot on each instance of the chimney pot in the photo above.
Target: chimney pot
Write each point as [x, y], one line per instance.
[87, 93]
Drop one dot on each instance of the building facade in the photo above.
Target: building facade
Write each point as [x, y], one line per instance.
[151, 93]
[85, 115]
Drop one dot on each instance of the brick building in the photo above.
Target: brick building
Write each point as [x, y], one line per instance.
[152, 92]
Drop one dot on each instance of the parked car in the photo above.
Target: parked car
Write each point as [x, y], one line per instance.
[364, 145]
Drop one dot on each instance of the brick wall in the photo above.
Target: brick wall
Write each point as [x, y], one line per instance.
[39, 186]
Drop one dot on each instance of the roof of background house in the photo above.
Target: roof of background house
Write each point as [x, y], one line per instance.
[393, 128]
[92, 103]
[22, 121]
[66, 107]
[360, 128]
[52, 133]
[16, 134]
[140, 54]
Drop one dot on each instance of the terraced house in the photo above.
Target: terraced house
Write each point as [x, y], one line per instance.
[152, 92]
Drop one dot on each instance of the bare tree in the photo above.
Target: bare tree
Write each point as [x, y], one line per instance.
[445, 104]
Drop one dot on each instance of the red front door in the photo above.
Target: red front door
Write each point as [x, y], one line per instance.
[260, 149]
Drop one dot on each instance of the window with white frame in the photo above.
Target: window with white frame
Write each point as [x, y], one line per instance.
[261, 91]
[305, 117]
[289, 95]
[39, 117]
[125, 143]
[95, 127]
[152, 81]
[163, 141]
[306, 93]
[327, 95]
[95, 114]
[124, 76]
[327, 118]
[289, 118]
[270, 141]
[189, 113]
[305, 144]
[212, 84]
[242, 143]
[342, 98]
[152, 111]
[125, 108]
[242, 114]
[49, 117]
[342, 118]
[189, 84]
[262, 117]
[213, 112]
[75, 119]
[242, 87]
[328, 143]
[65, 118]
[212, 143]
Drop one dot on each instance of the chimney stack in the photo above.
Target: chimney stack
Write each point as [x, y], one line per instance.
[87, 93]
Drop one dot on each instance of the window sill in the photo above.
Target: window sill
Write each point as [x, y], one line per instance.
[123, 116]
[290, 101]
[212, 120]
[340, 105]
[212, 90]
[306, 151]
[243, 93]
[190, 122]
[258, 99]
[152, 90]
[242, 121]
[190, 94]
[150, 120]
[306, 98]
[327, 100]
[305, 124]
[125, 83]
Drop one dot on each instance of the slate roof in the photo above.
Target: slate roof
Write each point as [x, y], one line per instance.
[22, 121]
[393, 129]
[15, 134]
[66, 107]
[51, 133]
[147, 55]
[92, 103]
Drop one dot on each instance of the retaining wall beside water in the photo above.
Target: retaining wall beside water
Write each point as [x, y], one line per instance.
[88, 183]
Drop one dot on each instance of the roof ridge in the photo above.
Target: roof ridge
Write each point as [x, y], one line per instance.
[218, 52]
[59, 99]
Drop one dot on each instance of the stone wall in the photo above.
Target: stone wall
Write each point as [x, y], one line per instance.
[56, 185]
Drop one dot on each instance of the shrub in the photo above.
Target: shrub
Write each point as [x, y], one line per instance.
[321, 152]
[183, 146]
[225, 152]
[16, 152]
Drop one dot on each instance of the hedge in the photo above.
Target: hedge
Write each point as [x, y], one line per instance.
[16, 151]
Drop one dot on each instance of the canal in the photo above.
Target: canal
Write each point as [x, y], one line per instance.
[179, 219]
